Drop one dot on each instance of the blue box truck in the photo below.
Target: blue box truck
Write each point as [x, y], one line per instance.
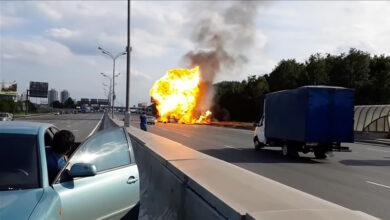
[307, 119]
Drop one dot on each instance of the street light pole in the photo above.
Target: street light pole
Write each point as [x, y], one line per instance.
[109, 92]
[113, 74]
[128, 50]
[111, 87]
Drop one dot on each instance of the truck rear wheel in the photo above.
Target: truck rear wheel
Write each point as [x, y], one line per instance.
[319, 154]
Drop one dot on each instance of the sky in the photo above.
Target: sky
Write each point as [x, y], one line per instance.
[57, 41]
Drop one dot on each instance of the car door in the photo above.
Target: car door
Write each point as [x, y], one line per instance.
[113, 191]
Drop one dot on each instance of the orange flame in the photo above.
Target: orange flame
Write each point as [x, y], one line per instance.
[176, 95]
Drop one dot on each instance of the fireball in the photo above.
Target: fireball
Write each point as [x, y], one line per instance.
[176, 95]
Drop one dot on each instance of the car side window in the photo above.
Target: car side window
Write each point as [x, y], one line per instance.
[108, 149]
[49, 137]
[54, 130]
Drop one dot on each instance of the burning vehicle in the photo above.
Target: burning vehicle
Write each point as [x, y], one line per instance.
[176, 95]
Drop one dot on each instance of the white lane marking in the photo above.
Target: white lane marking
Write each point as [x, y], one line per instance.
[162, 129]
[232, 147]
[386, 151]
[184, 135]
[172, 131]
[378, 184]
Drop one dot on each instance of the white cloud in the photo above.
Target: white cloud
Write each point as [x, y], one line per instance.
[138, 73]
[60, 33]
[48, 11]
[15, 48]
[7, 21]
[145, 45]
[63, 45]
[298, 29]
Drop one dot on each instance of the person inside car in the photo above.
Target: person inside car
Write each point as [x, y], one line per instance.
[56, 155]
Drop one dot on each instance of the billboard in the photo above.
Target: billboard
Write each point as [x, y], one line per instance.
[84, 101]
[38, 89]
[9, 89]
[103, 101]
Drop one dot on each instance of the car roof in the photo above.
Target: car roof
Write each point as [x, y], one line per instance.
[22, 127]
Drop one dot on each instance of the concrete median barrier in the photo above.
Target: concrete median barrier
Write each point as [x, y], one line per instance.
[177, 182]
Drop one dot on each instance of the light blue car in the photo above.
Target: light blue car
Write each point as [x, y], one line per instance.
[100, 180]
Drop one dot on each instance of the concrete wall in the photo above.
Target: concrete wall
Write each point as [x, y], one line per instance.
[177, 182]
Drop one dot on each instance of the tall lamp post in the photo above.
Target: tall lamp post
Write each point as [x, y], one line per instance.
[113, 73]
[128, 50]
[108, 92]
[111, 89]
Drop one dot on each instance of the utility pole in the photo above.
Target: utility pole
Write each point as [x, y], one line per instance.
[26, 102]
[128, 50]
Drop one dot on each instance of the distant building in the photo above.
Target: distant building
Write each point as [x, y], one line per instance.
[52, 96]
[22, 97]
[64, 95]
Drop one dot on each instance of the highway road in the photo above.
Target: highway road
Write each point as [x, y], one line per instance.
[80, 124]
[359, 180]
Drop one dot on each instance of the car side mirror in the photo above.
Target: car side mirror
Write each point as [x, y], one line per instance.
[82, 170]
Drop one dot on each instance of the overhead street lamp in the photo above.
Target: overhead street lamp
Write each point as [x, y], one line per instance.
[109, 87]
[111, 90]
[108, 92]
[113, 73]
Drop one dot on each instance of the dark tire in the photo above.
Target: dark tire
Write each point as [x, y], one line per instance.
[289, 151]
[320, 154]
[257, 143]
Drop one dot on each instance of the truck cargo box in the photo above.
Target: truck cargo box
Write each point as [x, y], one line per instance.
[310, 114]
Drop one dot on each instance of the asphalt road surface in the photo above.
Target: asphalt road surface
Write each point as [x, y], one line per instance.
[359, 180]
[80, 124]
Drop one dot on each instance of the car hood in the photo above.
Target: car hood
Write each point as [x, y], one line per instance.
[18, 204]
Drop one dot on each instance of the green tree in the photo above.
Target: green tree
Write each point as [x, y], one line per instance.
[378, 89]
[288, 74]
[7, 105]
[351, 70]
[31, 106]
[57, 104]
[69, 103]
[368, 76]
[316, 70]
[240, 101]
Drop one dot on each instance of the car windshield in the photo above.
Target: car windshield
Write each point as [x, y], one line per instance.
[3, 115]
[18, 162]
